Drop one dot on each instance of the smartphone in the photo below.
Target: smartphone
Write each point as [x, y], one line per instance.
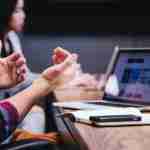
[115, 118]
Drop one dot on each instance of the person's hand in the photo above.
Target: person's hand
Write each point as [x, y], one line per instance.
[54, 76]
[81, 79]
[59, 55]
[9, 67]
[22, 66]
[85, 80]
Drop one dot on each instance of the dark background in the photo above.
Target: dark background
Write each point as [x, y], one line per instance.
[104, 16]
[90, 28]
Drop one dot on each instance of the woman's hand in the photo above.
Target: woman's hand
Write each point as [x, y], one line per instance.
[59, 56]
[54, 76]
[9, 66]
[85, 80]
[81, 79]
[22, 66]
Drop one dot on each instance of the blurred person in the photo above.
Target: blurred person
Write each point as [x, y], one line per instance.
[12, 19]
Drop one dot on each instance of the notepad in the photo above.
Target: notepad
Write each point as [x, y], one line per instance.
[83, 116]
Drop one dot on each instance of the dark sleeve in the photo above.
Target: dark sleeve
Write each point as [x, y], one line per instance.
[8, 119]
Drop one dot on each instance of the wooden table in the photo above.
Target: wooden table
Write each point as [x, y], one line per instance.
[115, 138]
[110, 138]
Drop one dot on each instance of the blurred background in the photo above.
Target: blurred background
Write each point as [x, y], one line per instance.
[89, 27]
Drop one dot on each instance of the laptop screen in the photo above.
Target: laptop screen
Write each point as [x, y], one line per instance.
[130, 76]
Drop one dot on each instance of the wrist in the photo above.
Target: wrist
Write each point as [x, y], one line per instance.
[42, 86]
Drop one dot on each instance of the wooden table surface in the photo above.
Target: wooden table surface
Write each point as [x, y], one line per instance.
[114, 138]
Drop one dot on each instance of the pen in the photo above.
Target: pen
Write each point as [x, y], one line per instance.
[115, 118]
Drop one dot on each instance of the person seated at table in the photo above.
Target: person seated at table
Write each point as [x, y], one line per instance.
[12, 19]
[14, 109]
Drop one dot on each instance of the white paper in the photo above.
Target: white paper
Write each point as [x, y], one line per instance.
[85, 114]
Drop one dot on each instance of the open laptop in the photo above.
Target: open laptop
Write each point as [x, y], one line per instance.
[128, 81]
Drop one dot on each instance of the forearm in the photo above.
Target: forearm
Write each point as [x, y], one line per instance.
[13, 110]
[23, 101]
